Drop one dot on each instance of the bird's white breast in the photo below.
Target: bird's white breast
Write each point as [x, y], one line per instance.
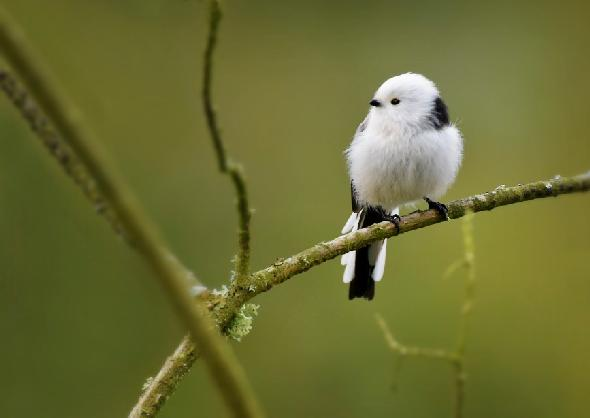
[390, 168]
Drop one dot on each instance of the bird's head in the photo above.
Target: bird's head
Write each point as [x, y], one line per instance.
[407, 101]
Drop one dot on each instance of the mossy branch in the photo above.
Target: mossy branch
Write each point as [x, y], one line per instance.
[226, 165]
[226, 306]
[284, 269]
[131, 221]
[156, 390]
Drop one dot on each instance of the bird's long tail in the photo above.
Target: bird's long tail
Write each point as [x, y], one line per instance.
[366, 265]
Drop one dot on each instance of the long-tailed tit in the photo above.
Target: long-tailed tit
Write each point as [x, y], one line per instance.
[404, 151]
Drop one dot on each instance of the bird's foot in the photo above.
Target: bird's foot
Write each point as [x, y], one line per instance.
[394, 219]
[441, 208]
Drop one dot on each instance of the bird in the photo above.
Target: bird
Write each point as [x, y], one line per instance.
[405, 150]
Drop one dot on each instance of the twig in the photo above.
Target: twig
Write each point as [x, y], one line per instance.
[225, 307]
[224, 162]
[454, 358]
[222, 364]
[412, 351]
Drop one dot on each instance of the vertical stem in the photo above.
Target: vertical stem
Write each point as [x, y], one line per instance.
[466, 309]
[225, 165]
[459, 368]
[210, 116]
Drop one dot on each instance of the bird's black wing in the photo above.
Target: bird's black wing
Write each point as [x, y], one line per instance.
[439, 115]
[355, 203]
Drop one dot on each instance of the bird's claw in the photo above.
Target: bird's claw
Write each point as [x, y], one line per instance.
[441, 208]
[394, 219]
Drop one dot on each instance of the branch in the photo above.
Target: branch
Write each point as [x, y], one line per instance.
[62, 152]
[225, 307]
[225, 164]
[133, 223]
[174, 369]
[282, 270]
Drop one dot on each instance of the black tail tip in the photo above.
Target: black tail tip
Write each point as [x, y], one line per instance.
[359, 289]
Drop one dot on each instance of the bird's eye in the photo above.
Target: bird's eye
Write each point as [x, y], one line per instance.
[395, 101]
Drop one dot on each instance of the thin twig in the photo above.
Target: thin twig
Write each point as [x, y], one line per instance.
[223, 366]
[412, 351]
[226, 165]
[225, 307]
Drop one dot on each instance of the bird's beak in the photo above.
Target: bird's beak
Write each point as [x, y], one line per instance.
[375, 103]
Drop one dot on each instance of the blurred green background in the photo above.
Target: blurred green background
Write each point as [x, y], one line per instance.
[83, 322]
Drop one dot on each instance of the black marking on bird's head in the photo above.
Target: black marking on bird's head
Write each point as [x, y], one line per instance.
[439, 116]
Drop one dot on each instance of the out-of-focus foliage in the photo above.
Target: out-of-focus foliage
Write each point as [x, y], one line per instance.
[82, 322]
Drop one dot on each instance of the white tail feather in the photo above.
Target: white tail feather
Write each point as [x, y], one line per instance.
[351, 224]
[379, 268]
[379, 264]
[349, 258]
[349, 270]
[345, 259]
[378, 254]
[374, 251]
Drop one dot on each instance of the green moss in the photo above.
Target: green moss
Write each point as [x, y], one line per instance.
[241, 324]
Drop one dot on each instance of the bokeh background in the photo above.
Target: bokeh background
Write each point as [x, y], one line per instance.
[83, 322]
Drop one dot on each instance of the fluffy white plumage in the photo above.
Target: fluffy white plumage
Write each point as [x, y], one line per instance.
[405, 150]
[399, 157]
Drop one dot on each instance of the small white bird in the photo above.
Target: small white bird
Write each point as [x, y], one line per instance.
[404, 151]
